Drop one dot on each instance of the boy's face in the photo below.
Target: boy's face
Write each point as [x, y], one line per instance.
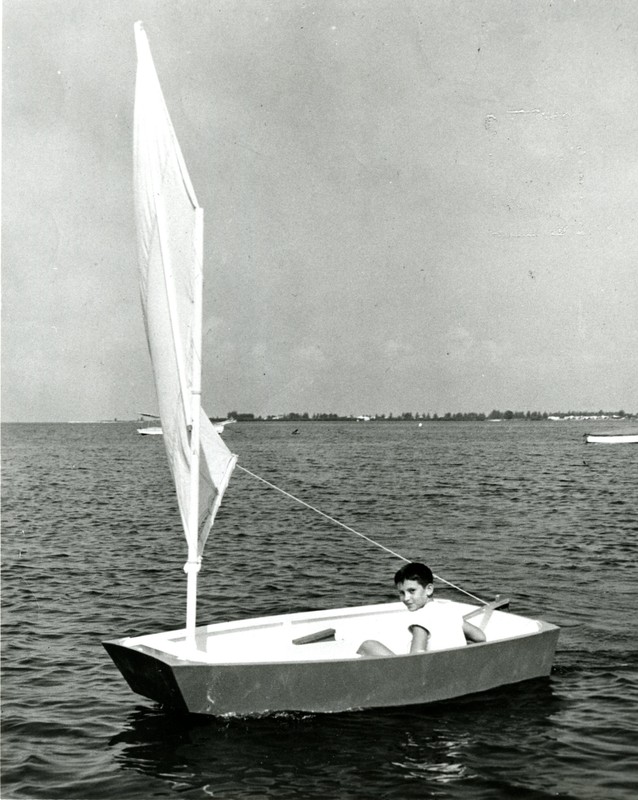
[413, 595]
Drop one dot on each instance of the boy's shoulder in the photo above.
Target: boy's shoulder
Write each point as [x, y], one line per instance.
[434, 610]
[443, 622]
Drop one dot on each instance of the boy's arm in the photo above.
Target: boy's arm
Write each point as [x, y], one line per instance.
[472, 633]
[420, 638]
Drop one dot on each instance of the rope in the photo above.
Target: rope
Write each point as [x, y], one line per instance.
[352, 530]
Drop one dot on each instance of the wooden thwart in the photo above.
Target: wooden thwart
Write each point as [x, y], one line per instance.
[317, 636]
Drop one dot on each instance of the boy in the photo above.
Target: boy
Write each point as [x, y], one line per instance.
[433, 626]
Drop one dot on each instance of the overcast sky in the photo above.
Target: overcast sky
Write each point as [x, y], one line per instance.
[410, 205]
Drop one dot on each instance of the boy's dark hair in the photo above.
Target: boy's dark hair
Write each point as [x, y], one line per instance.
[414, 571]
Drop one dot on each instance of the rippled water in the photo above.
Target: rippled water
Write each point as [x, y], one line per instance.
[91, 549]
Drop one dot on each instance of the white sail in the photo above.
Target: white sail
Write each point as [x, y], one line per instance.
[170, 232]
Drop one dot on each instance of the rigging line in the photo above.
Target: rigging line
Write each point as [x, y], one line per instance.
[352, 530]
[332, 519]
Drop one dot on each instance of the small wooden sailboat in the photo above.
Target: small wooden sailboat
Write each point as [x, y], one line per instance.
[300, 661]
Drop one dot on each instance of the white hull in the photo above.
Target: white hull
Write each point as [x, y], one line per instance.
[254, 666]
[157, 431]
[611, 438]
[219, 427]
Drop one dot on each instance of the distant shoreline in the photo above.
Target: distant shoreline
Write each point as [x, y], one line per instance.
[494, 416]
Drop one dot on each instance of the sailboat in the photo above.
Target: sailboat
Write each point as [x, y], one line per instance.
[221, 425]
[304, 661]
[156, 430]
[149, 429]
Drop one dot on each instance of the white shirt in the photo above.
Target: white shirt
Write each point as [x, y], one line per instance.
[442, 622]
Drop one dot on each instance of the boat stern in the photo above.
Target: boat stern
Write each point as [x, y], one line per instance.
[147, 672]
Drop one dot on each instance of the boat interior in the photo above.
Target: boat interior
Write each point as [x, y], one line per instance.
[312, 636]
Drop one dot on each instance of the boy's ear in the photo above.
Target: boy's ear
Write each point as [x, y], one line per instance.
[429, 589]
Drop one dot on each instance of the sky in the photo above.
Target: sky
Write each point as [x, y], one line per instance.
[409, 206]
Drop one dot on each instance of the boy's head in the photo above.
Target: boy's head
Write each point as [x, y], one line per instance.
[414, 571]
[415, 584]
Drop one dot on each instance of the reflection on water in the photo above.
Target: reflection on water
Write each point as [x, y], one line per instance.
[388, 753]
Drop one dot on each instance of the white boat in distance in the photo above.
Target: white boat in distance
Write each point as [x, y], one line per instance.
[150, 430]
[154, 430]
[289, 662]
[612, 437]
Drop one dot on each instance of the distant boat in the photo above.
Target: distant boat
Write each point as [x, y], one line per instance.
[150, 430]
[155, 430]
[305, 661]
[612, 437]
[219, 426]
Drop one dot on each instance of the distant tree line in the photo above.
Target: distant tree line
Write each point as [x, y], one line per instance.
[409, 416]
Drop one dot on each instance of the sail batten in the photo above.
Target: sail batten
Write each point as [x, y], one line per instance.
[170, 246]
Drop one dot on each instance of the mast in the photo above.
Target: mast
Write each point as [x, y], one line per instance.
[193, 564]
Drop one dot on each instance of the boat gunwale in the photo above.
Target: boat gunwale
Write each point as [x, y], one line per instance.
[175, 661]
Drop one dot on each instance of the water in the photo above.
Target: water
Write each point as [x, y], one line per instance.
[91, 550]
